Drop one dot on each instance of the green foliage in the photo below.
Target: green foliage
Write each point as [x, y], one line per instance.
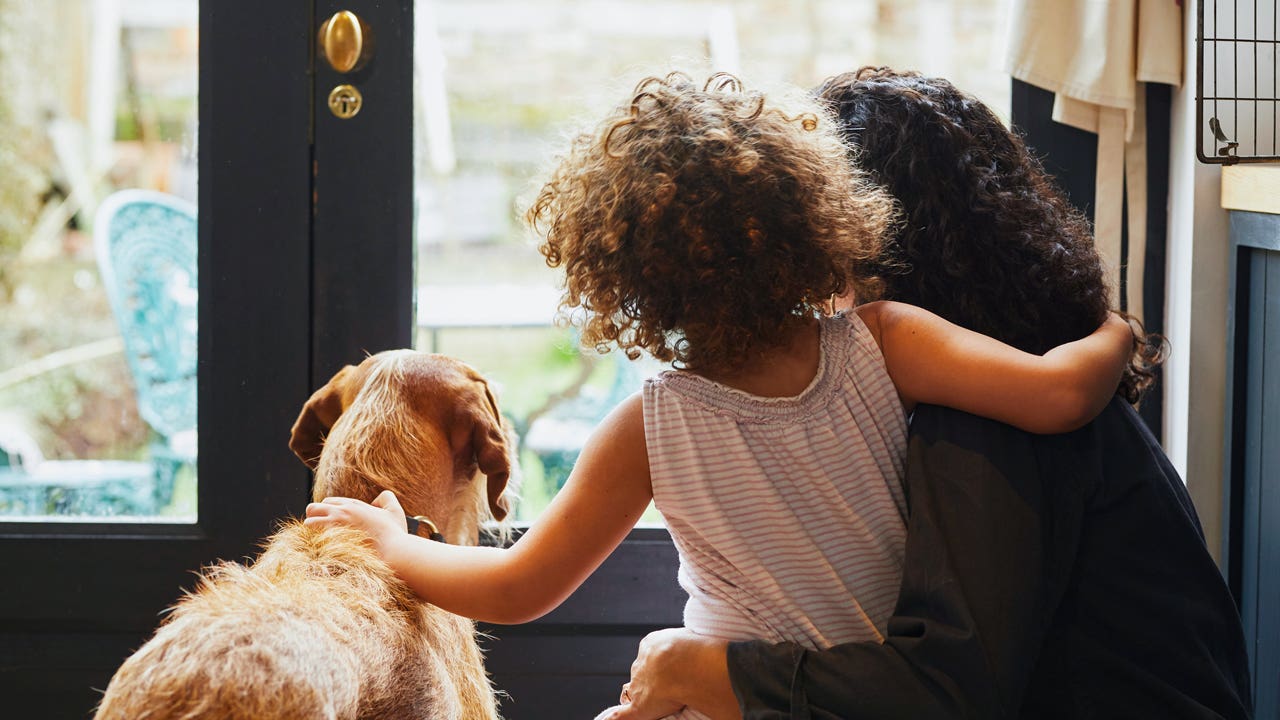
[19, 176]
[84, 411]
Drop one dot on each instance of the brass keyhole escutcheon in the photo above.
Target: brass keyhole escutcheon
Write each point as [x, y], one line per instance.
[345, 101]
[345, 41]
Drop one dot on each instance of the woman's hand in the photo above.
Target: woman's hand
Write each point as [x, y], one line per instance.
[674, 668]
[648, 695]
[383, 520]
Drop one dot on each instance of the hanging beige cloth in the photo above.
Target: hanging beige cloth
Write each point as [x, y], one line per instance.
[1094, 55]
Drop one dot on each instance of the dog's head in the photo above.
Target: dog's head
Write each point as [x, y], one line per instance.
[422, 425]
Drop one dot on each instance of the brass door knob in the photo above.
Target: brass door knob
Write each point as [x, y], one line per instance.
[345, 41]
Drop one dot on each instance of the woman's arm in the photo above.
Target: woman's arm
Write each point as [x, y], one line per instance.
[675, 668]
[934, 361]
[605, 495]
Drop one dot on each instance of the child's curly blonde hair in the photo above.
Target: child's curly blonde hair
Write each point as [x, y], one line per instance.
[704, 224]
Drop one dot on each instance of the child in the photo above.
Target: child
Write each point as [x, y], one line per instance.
[707, 226]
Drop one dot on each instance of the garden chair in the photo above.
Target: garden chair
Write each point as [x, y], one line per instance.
[30, 485]
[146, 248]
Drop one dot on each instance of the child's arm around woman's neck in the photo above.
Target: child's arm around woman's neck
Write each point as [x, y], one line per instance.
[931, 360]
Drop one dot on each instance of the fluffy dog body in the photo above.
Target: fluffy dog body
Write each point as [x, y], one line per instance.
[319, 626]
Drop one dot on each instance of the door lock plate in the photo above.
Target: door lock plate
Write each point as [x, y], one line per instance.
[345, 101]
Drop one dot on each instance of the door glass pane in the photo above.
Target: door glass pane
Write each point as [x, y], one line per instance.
[498, 84]
[97, 260]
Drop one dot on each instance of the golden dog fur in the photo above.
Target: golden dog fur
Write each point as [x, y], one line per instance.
[319, 627]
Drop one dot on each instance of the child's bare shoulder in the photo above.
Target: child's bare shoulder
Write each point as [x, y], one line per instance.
[899, 322]
[885, 315]
[875, 315]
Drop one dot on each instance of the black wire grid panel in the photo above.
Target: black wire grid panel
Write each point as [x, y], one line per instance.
[1237, 83]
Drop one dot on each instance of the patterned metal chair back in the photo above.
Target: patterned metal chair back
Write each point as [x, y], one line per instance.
[146, 246]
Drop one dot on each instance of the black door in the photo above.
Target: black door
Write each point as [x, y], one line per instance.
[306, 262]
[403, 255]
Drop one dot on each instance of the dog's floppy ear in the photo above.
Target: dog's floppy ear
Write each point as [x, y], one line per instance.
[318, 416]
[489, 439]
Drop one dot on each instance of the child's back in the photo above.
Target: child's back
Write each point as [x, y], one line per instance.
[788, 512]
[706, 225]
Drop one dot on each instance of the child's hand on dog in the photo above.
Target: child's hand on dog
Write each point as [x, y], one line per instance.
[383, 520]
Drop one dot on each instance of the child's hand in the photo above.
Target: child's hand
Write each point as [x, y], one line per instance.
[383, 520]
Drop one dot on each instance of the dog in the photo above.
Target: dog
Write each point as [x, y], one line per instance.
[319, 626]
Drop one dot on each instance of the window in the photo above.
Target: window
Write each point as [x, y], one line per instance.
[98, 290]
[498, 84]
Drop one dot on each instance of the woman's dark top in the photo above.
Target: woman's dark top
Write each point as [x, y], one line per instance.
[1060, 576]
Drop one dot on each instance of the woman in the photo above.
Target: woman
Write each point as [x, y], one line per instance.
[1045, 576]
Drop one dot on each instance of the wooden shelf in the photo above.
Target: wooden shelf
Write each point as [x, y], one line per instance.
[1251, 187]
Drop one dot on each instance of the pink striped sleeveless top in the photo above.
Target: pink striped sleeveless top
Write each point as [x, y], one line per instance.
[788, 513]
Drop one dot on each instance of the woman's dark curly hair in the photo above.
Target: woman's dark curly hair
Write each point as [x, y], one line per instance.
[704, 223]
[988, 241]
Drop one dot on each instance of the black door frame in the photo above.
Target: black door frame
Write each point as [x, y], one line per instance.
[362, 262]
